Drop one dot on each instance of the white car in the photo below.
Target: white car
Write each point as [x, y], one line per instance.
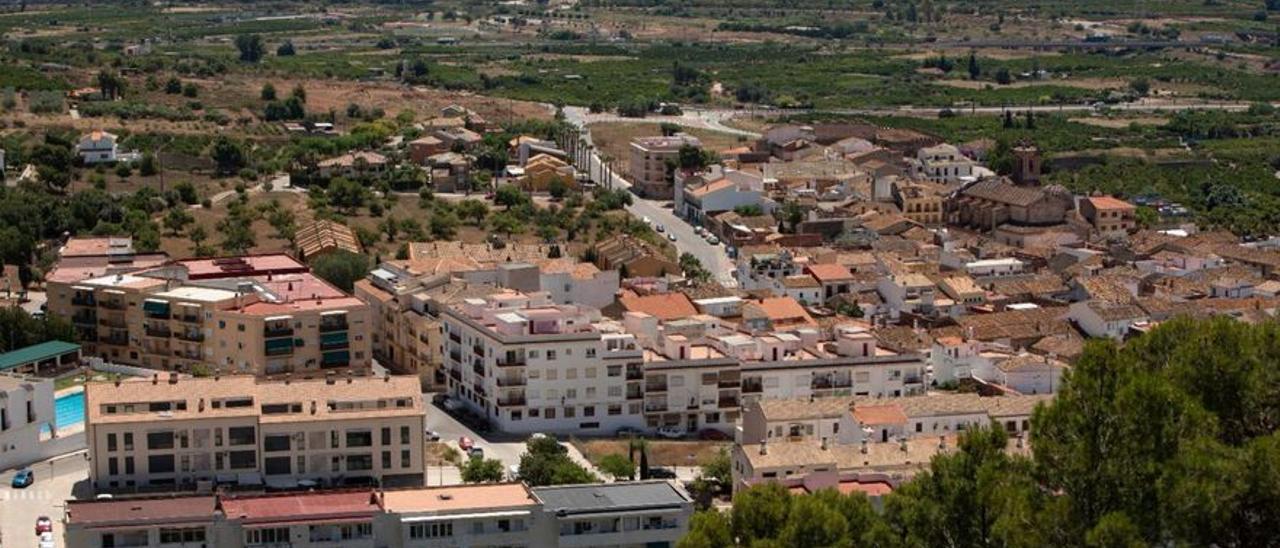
[713, 240]
[660, 228]
[671, 236]
[646, 220]
[671, 432]
[698, 230]
[46, 541]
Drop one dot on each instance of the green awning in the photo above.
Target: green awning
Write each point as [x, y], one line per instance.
[279, 344]
[336, 357]
[337, 337]
[153, 306]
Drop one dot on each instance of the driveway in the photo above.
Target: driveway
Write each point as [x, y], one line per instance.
[56, 480]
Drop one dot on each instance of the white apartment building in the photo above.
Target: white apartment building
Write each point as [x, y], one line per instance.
[183, 433]
[533, 366]
[26, 407]
[944, 164]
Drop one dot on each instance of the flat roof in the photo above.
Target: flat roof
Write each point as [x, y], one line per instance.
[457, 498]
[592, 498]
[303, 506]
[35, 353]
[202, 294]
[103, 513]
[312, 394]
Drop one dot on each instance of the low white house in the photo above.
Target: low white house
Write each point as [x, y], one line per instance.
[994, 267]
[1102, 319]
[98, 147]
[26, 408]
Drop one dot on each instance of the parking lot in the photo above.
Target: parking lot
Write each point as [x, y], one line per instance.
[503, 447]
[56, 480]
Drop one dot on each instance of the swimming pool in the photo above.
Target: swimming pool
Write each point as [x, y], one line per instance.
[69, 409]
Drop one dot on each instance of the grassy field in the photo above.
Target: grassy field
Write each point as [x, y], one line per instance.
[661, 452]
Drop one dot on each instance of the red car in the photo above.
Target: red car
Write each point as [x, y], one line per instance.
[43, 525]
[465, 443]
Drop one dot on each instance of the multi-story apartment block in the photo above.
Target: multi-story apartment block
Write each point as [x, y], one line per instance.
[1110, 217]
[651, 514]
[944, 164]
[701, 377]
[406, 297]
[648, 167]
[263, 314]
[533, 366]
[180, 433]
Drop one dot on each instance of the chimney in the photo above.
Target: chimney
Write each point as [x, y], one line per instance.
[386, 378]
[200, 405]
[902, 444]
[864, 445]
[764, 447]
[329, 378]
[117, 381]
[824, 443]
[173, 377]
[155, 378]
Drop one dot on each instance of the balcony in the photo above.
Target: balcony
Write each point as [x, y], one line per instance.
[455, 374]
[512, 381]
[511, 401]
[111, 305]
[752, 387]
[734, 383]
[655, 387]
[278, 347]
[328, 326]
[84, 319]
[272, 332]
[187, 318]
[84, 300]
[115, 340]
[192, 336]
[456, 356]
[479, 390]
[156, 331]
[456, 338]
[188, 354]
[478, 350]
[635, 395]
[478, 368]
[727, 402]
[655, 407]
[117, 323]
[635, 374]
[513, 361]
[334, 341]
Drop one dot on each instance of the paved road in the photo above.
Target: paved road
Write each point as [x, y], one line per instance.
[714, 258]
[503, 447]
[56, 479]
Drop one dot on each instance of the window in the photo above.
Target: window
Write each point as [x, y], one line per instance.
[276, 442]
[277, 466]
[386, 435]
[590, 372]
[570, 412]
[242, 435]
[111, 442]
[357, 463]
[244, 459]
[128, 441]
[571, 373]
[591, 352]
[549, 413]
[615, 409]
[551, 355]
[179, 536]
[359, 438]
[430, 530]
[113, 467]
[386, 460]
[552, 374]
[404, 435]
[159, 440]
[571, 393]
[613, 370]
[615, 391]
[275, 535]
[128, 466]
[405, 458]
[160, 464]
[589, 411]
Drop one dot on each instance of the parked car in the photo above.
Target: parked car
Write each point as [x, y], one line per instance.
[660, 228]
[466, 443]
[431, 435]
[646, 220]
[671, 237]
[513, 472]
[699, 230]
[43, 525]
[662, 473]
[671, 432]
[46, 541]
[23, 479]
[713, 240]
[451, 404]
[628, 431]
[711, 434]
[475, 453]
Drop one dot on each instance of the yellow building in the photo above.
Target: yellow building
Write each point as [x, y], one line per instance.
[542, 170]
[263, 314]
[173, 432]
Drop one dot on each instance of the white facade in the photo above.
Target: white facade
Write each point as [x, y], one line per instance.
[944, 164]
[1099, 320]
[97, 147]
[530, 366]
[26, 406]
[994, 267]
